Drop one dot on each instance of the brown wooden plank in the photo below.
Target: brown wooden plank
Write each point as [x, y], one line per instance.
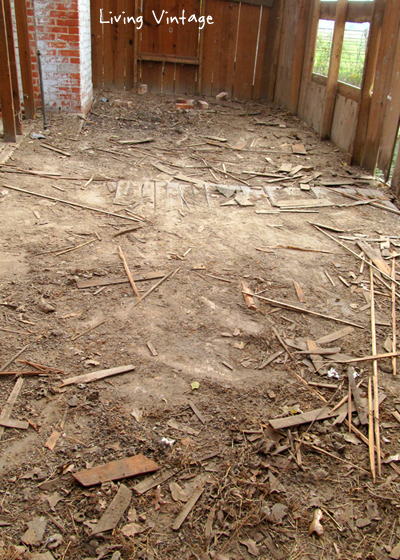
[108, 71]
[18, 424]
[291, 53]
[135, 45]
[226, 22]
[381, 86]
[97, 43]
[13, 66]
[116, 470]
[25, 60]
[392, 118]
[309, 54]
[333, 74]
[185, 79]
[151, 74]
[200, 50]
[262, 73]
[344, 123]
[250, 19]
[6, 93]
[168, 77]
[371, 58]
[209, 39]
[173, 58]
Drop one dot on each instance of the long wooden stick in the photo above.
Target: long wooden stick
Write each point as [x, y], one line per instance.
[128, 273]
[171, 273]
[10, 361]
[301, 310]
[68, 202]
[371, 430]
[394, 317]
[349, 406]
[375, 375]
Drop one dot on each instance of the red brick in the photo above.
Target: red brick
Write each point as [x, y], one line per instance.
[75, 60]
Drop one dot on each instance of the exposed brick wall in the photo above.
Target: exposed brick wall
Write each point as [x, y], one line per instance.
[63, 39]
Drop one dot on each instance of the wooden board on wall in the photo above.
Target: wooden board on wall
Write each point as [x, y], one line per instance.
[6, 96]
[295, 17]
[211, 33]
[225, 45]
[344, 122]
[24, 51]
[383, 75]
[263, 63]
[249, 23]
[97, 45]
[314, 101]
[392, 118]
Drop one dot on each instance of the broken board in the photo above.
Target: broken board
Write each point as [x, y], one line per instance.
[116, 470]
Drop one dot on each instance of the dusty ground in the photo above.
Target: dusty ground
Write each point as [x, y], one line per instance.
[202, 331]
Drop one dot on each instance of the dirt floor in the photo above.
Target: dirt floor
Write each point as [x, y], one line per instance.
[209, 369]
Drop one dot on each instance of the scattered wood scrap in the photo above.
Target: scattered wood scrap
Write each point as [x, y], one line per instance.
[248, 298]
[357, 397]
[116, 470]
[188, 508]
[111, 281]
[12, 399]
[111, 517]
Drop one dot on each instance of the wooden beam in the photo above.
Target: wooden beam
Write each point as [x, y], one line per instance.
[6, 94]
[371, 58]
[381, 84]
[25, 60]
[346, 90]
[332, 82]
[309, 53]
[358, 12]
[156, 57]
[13, 66]
[392, 118]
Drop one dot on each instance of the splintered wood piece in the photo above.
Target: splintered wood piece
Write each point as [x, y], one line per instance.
[327, 339]
[316, 360]
[375, 375]
[116, 470]
[153, 351]
[299, 149]
[128, 272]
[371, 444]
[10, 361]
[248, 298]
[357, 397]
[301, 310]
[51, 442]
[188, 507]
[132, 142]
[300, 294]
[111, 281]
[12, 399]
[375, 257]
[154, 481]
[19, 424]
[96, 375]
[306, 417]
[197, 412]
[111, 517]
[53, 149]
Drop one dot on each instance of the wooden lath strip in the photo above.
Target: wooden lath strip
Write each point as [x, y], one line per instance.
[333, 74]
[309, 54]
